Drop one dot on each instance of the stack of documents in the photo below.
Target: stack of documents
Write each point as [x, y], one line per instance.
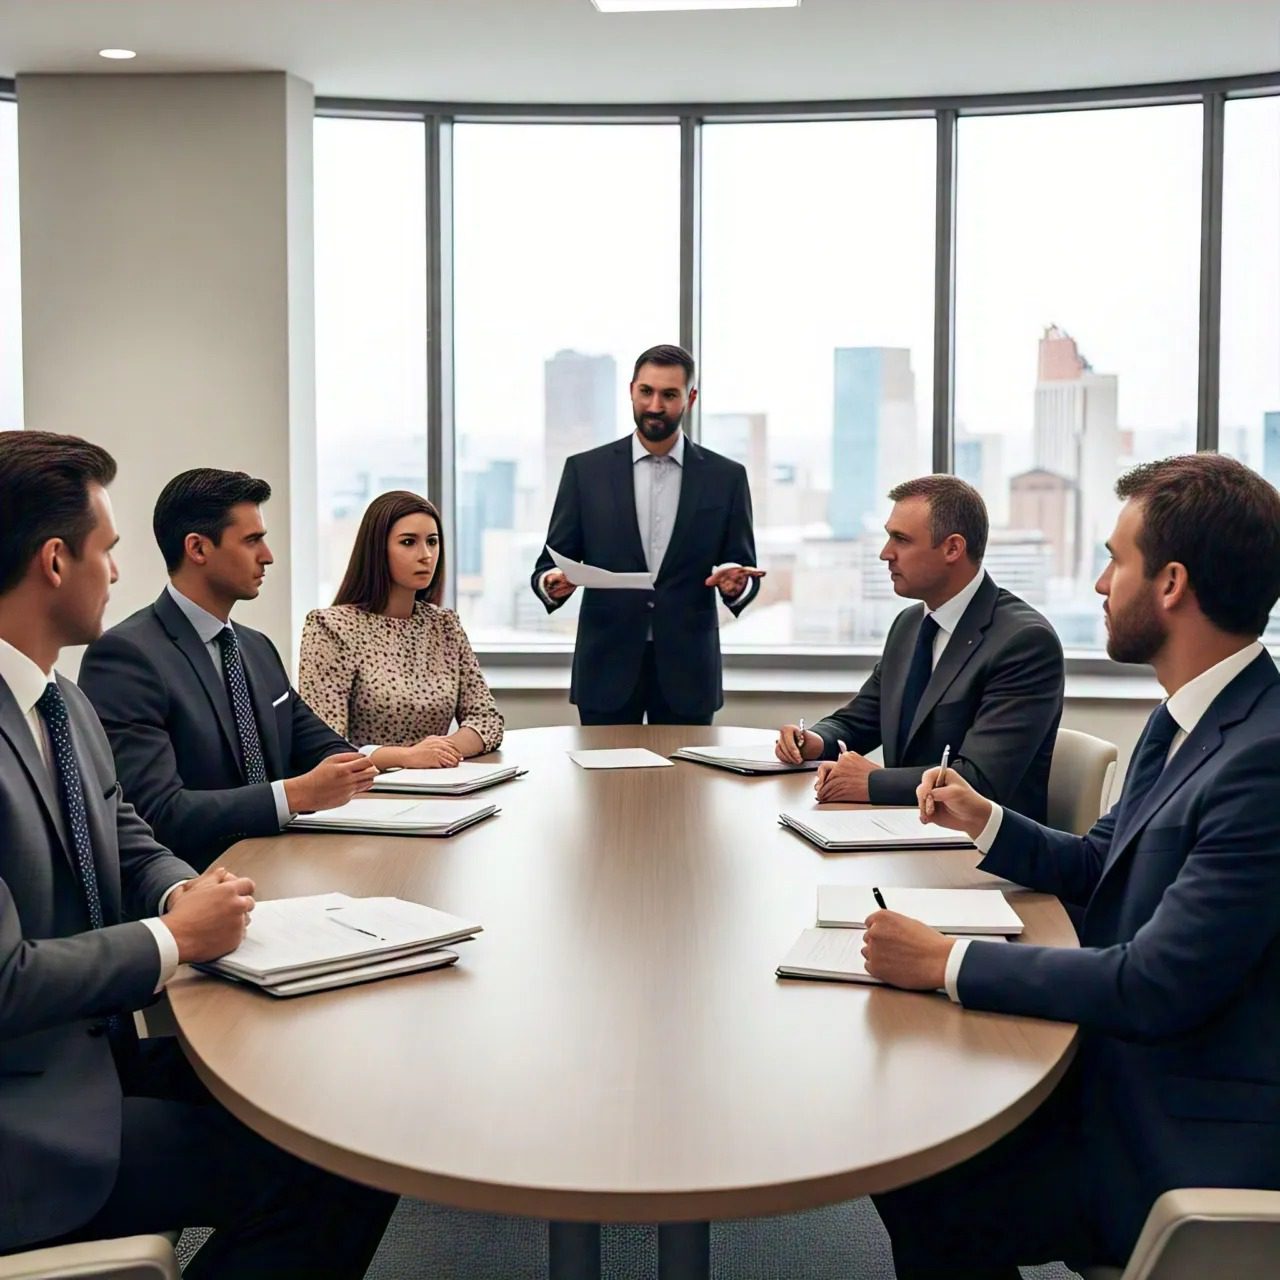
[748, 757]
[831, 955]
[297, 945]
[969, 911]
[458, 781]
[841, 829]
[395, 817]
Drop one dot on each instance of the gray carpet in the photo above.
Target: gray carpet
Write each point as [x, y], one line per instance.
[843, 1242]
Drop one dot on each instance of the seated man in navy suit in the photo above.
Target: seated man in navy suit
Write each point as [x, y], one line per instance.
[212, 742]
[1176, 984]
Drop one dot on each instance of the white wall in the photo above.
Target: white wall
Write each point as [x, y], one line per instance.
[167, 296]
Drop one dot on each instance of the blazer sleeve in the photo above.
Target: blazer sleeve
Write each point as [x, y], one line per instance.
[326, 673]
[564, 532]
[476, 708]
[1210, 930]
[856, 724]
[739, 545]
[132, 702]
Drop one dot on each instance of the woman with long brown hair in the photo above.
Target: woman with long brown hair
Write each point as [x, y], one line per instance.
[385, 665]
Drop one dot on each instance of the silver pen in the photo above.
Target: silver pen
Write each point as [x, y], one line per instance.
[800, 736]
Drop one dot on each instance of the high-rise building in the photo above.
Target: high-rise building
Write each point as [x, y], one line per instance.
[1046, 501]
[744, 437]
[979, 460]
[873, 434]
[580, 409]
[1271, 446]
[1076, 436]
[486, 500]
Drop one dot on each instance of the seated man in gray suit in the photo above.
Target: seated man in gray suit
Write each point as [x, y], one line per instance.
[101, 1136]
[973, 668]
[212, 742]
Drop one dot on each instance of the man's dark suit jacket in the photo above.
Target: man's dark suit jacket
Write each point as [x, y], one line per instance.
[594, 520]
[1177, 982]
[995, 697]
[173, 732]
[60, 1099]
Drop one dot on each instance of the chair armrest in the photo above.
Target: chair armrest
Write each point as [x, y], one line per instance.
[1189, 1231]
[129, 1258]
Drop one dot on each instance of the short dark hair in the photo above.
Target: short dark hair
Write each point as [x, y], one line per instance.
[668, 355]
[1221, 521]
[200, 501]
[954, 507]
[44, 493]
[367, 582]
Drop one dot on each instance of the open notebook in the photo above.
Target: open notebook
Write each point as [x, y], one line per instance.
[402, 817]
[746, 757]
[831, 955]
[457, 781]
[967, 911]
[843, 829]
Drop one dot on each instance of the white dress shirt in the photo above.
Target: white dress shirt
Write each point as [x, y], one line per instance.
[27, 684]
[948, 615]
[209, 628]
[1187, 707]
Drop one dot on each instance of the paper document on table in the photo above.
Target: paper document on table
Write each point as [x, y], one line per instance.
[832, 955]
[844, 829]
[587, 575]
[967, 911]
[748, 757]
[620, 758]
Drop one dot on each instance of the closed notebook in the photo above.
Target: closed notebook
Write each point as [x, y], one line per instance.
[372, 972]
[402, 817]
[845, 829]
[967, 911]
[831, 955]
[457, 781]
[747, 757]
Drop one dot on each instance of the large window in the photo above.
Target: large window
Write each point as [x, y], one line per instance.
[1078, 267]
[817, 344]
[10, 285]
[371, 325]
[566, 267]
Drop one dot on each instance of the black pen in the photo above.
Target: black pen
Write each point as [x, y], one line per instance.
[879, 897]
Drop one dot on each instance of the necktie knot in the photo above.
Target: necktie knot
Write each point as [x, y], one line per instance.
[51, 705]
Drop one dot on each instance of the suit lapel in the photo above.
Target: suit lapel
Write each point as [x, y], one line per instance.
[622, 480]
[183, 634]
[893, 677]
[258, 677]
[964, 643]
[693, 473]
[14, 728]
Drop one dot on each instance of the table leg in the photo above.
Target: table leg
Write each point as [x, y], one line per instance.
[684, 1251]
[573, 1251]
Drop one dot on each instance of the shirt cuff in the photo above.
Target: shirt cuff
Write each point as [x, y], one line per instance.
[283, 813]
[987, 836]
[368, 751]
[164, 897]
[167, 946]
[951, 980]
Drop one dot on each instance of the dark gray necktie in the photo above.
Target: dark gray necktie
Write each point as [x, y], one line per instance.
[246, 727]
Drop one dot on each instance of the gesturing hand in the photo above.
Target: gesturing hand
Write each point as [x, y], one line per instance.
[331, 783]
[732, 578]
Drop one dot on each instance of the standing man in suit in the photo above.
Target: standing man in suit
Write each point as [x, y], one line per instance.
[1176, 984]
[657, 502]
[101, 1136]
[212, 742]
[972, 667]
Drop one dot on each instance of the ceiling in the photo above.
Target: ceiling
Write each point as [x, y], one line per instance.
[564, 51]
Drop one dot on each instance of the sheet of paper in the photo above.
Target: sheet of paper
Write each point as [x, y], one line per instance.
[395, 921]
[587, 575]
[460, 775]
[979, 911]
[906, 822]
[620, 758]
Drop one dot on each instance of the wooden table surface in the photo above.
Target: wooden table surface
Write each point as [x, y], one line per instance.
[615, 1045]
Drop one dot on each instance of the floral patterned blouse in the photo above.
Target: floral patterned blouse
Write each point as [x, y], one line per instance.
[389, 682]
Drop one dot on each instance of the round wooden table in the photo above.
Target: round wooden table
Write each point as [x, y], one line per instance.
[615, 1045]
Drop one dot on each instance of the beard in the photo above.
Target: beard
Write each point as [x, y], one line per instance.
[657, 427]
[1137, 634]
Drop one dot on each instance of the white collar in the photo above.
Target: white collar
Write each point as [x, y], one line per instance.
[639, 452]
[1189, 704]
[26, 681]
[207, 627]
[948, 615]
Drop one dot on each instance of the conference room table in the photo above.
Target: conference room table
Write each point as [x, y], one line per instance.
[615, 1046]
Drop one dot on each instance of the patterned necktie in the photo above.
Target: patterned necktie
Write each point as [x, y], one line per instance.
[53, 710]
[1147, 764]
[917, 679]
[255, 770]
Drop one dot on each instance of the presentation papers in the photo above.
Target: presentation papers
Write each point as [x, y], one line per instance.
[458, 781]
[748, 757]
[833, 955]
[587, 575]
[842, 829]
[395, 817]
[620, 758]
[967, 911]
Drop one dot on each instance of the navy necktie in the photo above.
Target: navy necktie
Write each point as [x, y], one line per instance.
[1147, 764]
[53, 710]
[255, 770]
[918, 675]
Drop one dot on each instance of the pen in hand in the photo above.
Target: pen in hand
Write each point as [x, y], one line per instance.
[939, 781]
[879, 897]
[800, 737]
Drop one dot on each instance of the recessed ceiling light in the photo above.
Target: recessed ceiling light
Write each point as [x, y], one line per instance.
[117, 53]
[660, 6]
